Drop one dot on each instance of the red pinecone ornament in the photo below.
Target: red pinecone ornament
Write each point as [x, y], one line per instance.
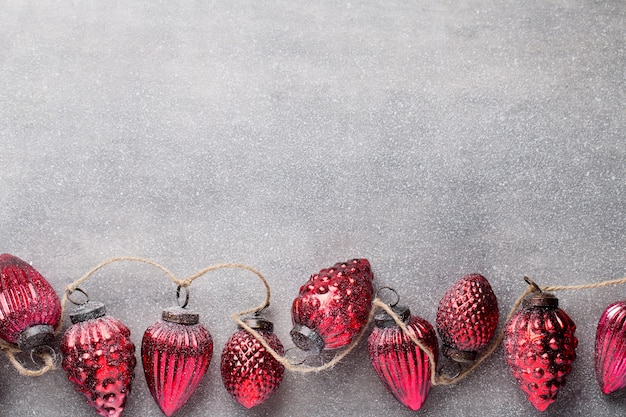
[610, 348]
[540, 347]
[99, 358]
[29, 307]
[401, 365]
[467, 318]
[333, 306]
[176, 353]
[251, 374]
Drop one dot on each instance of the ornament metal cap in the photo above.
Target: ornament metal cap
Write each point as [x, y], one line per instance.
[180, 315]
[384, 319]
[307, 339]
[38, 335]
[541, 299]
[89, 310]
[460, 356]
[259, 323]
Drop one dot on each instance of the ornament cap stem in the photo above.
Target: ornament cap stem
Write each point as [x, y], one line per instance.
[180, 315]
[89, 310]
[35, 336]
[384, 319]
[459, 356]
[259, 323]
[307, 339]
[541, 299]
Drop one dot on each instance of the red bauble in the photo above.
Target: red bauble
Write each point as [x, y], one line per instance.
[540, 347]
[610, 348]
[99, 358]
[467, 318]
[176, 353]
[403, 366]
[333, 306]
[29, 307]
[249, 372]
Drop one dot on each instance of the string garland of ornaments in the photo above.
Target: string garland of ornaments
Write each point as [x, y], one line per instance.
[332, 312]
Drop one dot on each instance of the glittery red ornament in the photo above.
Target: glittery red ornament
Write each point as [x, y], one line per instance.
[610, 348]
[250, 373]
[98, 357]
[401, 365]
[333, 306]
[29, 307]
[176, 353]
[540, 347]
[467, 318]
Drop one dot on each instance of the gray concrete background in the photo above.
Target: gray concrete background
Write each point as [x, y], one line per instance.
[434, 138]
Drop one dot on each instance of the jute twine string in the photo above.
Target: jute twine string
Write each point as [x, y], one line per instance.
[436, 379]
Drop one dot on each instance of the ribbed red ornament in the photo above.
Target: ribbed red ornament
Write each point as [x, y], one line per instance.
[540, 347]
[467, 318]
[401, 365]
[29, 307]
[333, 306]
[249, 372]
[176, 353]
[99, 358]
[610, 348]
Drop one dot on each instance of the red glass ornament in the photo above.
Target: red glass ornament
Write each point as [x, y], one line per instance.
[99, 358]
[29, 307]
[250, 373]
[540, 347]
[333, 306]
[610, 348]
[467, 318]
[401, 365]
[176, 353]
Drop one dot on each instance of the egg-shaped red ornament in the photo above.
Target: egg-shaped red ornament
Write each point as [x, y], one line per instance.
[176, 352]
[333, 306]
[249, 372]
[29, 307]
[610, 348]
[99, 358]
[467, 318]
[401, 365]
[540, 347]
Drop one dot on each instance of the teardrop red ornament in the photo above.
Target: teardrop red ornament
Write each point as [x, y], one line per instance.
[610, 348]
[29, 307]
[402, 365]
[467, 318]
[333, 306]
[249, 372]
[540, 347]
[176, 352]
[99, 358]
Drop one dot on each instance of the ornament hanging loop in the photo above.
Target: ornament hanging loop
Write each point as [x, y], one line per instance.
[394, 292]
[178, 298]
[533, 284]
[69, 293]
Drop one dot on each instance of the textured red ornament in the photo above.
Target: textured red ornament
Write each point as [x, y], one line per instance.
[403, 366]
[333, 306]
[467, 318]
[540, 347]
[176, 353]
[98, 357]
[29, 307]
[610, 348]
[250, 373]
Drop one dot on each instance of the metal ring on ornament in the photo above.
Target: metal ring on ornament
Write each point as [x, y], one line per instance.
[69, 296]
[453, 376]
[393, 291]
[37, 351]
[532, 284]
[186, 296]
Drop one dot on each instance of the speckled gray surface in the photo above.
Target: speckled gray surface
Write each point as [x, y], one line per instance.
[434, 138]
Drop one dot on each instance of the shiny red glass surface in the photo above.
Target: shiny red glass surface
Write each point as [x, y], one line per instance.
[402, 366]
[250, 374]
[175, 358]
[467, 316]
[540, 347]
[98, 357]
[26, 299]
[335, 303]
[610, 348]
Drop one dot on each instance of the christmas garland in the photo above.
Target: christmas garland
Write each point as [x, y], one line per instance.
[332, 311]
